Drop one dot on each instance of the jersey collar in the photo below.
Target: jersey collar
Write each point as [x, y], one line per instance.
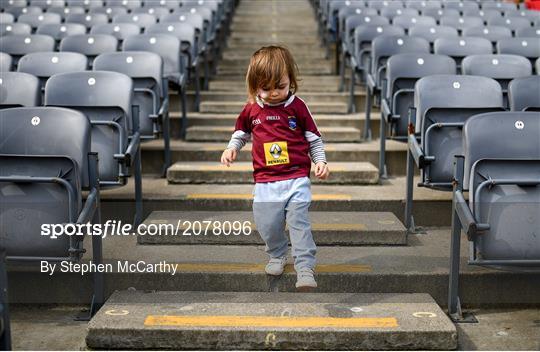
[285, 103]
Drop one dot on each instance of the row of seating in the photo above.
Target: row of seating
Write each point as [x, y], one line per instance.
[459, 131]
[105, 106]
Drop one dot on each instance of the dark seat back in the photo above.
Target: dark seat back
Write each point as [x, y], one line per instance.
[524, 94]
[19, 89]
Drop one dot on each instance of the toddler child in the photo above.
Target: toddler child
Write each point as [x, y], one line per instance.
[284, 137]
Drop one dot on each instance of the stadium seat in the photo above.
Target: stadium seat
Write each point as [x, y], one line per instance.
[27, 10]
[12, 3]
[461, 6]
[19, 90]
[47, 168]
[423, 5]
[86, 4]
[442, 103]
[189, 57]
[88, 20]
[47, 4]
[359, 61]
[143, 20]
[537, 66]
[128, 4]
[60, 31]
[502, 68]
[486, 15]
[118, 30]
[110, 11]
[6, 18]
[491, 33]
[170, 4]
[499, 167]
[526, 47]
[461, 23]
[154, 11]
[381, 5]
[44, 65]
[106, 98]
[90, 45]
[397, 92]
[168, 47]
[6, 63]
[146, 71]
[498, 5]
[15, 29]
[437, 14]
[382, 48]
[407, 22]
[431, 33]
[66, 11]
[524, 94]
[458, 48]
[513, 23]
[37, 20]
[528, 32]
[20, 45]
[5, 328]
[392, 13]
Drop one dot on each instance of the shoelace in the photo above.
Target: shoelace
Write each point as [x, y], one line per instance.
[277, 260]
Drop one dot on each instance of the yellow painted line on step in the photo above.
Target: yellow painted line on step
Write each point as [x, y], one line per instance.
[269, 321]
[250, 196]
[259, 268]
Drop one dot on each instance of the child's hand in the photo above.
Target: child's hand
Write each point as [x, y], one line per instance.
[228, 156]
[321, 170]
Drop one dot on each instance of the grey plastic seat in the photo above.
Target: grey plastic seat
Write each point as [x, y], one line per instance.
[120, 31]
[88, 20]
[4, 4]
[37, 20]
[6, 62]
[6, 18]
[106, 99]
[47, 4]
[15, 29]
[19, 89]
[170, 4]
[90, 45]
[513, 23]
[359, 61]
[458, 48]
[432, 33]
[189, 58]
[86, 4]
[502, 177]
[486, 15]
[392, 13]
[26, 10]
[526, 47]
[66, 11]
[382, 48]
[154, 11]
[492, 33]
[332, 18]
[110, 11]
[498, 5]
[20, 45]
[381, 5]
[407, 22]
[530, 14]
[537, 66]
[44, 65]
[524, 94]
[60, 31]
[528, 32]
[44, 171]
[437, 14]
[402, 72]
[422, 5]
[442, 104]
[501, 67]
[461, 23]
[128, 4]
[461, 6]
[146, 71]
[350, 11]
[143, 20]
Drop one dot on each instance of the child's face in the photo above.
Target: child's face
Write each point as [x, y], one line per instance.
[276, 94]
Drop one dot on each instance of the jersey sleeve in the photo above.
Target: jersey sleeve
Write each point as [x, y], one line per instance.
[242, 130]
[311, 132]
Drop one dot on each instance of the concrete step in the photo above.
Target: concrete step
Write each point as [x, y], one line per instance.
[241, 27]
[274, 38]
[302, 62]
[396, 154]
[229, 55]
[223, 134]
[296, 51]
[321, 69]
[308, 97]
[298, 48]
[305, 85]
[328, 228]
[257, 321]
[420, 267]
[235, 107]
[242, 172]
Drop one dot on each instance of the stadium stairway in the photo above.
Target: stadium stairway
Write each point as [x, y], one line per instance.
[379, 288]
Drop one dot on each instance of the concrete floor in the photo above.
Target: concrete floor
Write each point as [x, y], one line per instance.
[54, 328]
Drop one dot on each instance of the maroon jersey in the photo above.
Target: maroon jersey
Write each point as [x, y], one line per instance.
[280, 138]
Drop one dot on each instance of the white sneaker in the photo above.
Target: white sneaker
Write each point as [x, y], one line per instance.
[276, 266]
[305, 280]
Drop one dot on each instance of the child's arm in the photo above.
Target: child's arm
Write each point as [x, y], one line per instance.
[316, 145]
[239, 138]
